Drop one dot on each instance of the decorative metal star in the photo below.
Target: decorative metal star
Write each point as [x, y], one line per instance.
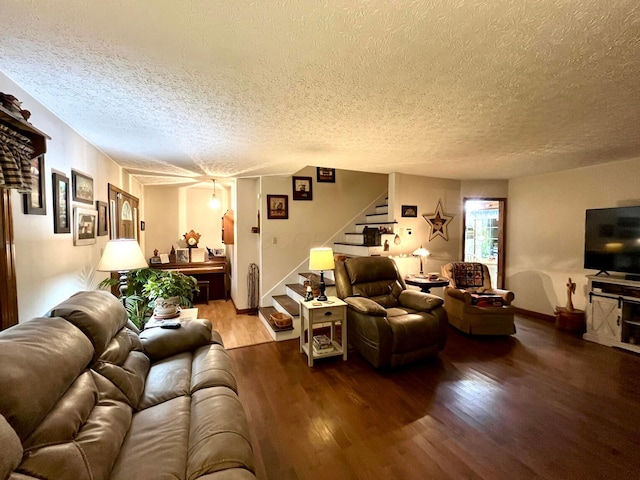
[438, 222]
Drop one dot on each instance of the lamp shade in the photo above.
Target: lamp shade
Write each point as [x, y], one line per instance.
[421, 252]
[321, 259]
[121, 256]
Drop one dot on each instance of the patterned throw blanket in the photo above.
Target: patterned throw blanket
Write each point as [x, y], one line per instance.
[468, 274]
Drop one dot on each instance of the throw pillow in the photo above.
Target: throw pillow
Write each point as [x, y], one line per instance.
[468, 275]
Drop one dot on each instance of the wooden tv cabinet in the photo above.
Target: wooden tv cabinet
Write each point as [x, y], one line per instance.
[613, 312]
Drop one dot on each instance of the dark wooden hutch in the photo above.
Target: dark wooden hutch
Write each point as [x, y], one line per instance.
[8, 285]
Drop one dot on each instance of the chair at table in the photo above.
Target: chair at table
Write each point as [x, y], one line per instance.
[472, 305]
[388, 324]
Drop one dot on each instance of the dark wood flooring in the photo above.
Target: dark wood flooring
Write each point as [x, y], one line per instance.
[542, 404]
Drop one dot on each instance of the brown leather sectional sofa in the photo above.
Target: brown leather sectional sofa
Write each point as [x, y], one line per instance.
[84, 396]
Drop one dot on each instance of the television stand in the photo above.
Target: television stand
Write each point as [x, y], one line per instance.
[613, 312]
[602, 272]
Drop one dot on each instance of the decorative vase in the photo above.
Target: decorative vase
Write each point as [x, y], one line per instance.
[166, 307]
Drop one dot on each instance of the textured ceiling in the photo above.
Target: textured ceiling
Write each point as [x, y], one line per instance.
[465, 89]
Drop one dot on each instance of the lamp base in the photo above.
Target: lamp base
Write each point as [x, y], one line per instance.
[322, 297]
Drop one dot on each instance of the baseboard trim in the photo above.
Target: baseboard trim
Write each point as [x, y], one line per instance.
[244, 311]
[537, 315]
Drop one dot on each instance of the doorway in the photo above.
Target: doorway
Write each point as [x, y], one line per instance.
[484, 235]
[123, 214]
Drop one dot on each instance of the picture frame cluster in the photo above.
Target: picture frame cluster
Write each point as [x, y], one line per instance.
[83, 221]
[302, 189]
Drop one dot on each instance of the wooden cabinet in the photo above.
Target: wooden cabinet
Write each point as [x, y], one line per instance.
[8, 287]
[613, 312]
[227, 228]
[212, 271]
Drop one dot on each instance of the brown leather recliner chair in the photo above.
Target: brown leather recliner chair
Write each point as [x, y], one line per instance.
[388, 324]
[472, 305]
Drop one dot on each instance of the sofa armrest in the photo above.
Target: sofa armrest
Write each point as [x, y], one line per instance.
[507, 295]
[420, 301]
[458, 294]
[161, 343]
[366, 306]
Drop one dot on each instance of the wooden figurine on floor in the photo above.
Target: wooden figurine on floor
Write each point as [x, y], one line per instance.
[571, 289]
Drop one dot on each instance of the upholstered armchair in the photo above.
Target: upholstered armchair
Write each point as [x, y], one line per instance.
[472, 305]
[386, 323]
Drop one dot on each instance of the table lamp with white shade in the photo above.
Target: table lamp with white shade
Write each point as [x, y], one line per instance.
[122, 256]
[422, 253]
[321, 259]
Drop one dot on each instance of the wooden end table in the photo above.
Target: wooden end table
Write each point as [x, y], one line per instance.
[185, 314]
[425, 284]
[313, 313]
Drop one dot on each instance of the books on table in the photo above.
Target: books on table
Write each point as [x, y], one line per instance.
[322, 344]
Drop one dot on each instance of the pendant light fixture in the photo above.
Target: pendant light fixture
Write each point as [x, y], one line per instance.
[214, 202]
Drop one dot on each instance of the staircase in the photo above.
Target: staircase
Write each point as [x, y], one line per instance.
[353, 246]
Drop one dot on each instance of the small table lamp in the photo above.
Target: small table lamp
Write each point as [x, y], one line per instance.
[422, 253]
[122, 256]
[321, 259]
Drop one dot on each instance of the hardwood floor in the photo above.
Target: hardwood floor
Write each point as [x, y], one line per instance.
[542, 404]
[235, 330]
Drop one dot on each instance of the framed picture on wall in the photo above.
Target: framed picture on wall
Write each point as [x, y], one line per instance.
[61, 212]
[277, 207]
[103, 216]
[326, 175]
[85, 226]
[34, 201]
[82, 187]
[409, 210]
[302, 188]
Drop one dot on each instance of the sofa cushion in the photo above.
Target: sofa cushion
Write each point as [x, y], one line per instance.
[156, 445]
[229, 474]
[11, 451]
[124, 365]
[40, 360]
[167, 379]
[81, 437]
[420, 301]
[212, 367]
[411, 331]
[97, 313]
[219, 435]
[161, 343]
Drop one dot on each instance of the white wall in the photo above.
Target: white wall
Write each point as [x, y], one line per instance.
[49, 268]
[247, 244]
[172, 211]
[545, 229]
[484, 189]
[285, 244]
[425, 192]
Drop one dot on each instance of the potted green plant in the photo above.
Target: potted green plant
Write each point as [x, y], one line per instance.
[167, 290]
[146, 285]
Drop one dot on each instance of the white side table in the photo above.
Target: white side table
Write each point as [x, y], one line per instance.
[185, 314]
[314, 313]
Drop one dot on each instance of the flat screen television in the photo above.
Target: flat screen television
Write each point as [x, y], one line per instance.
[612, 240]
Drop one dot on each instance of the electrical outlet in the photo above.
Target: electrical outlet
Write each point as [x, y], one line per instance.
[408, 231]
